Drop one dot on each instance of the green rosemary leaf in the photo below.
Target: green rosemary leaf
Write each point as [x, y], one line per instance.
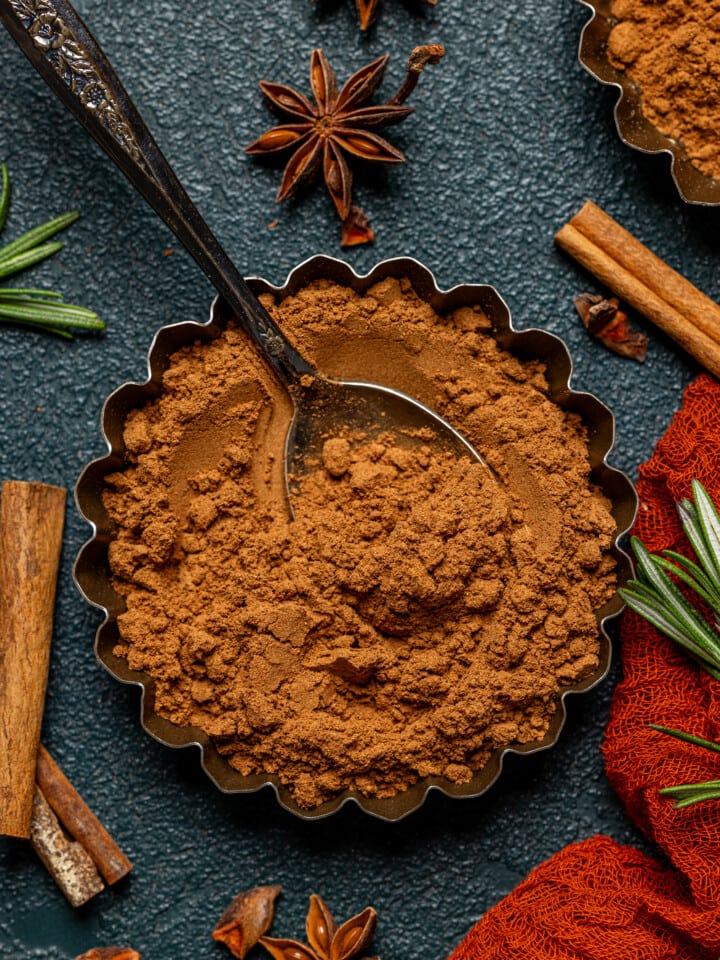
[670, 601]
[710, 525]
[45, 327]
[37, 235]
[694, 570]
[33, 308]
[693, 531]
[670, 595]
[685, 636]
[28, 259]
[691, 574]
[686, 505]
[688, 789]
[4, 195]
[658, 617]
[711, 795]
[686, 795]
[55, 314]
[687, 737]
[11, 293]
[637, 590]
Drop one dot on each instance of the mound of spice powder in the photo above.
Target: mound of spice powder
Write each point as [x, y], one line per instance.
[418, 612]
[671, 49]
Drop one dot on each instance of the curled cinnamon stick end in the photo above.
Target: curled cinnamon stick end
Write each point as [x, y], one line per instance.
[79, 820]
[110, 953]
[246, 919]
[604, 320]
[67, 862]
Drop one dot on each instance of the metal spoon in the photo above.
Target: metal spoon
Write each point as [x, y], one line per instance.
[58, 44]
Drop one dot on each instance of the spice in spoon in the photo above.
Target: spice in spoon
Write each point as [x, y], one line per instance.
[336, 128]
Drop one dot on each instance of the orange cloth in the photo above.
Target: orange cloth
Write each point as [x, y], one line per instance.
[597, 900]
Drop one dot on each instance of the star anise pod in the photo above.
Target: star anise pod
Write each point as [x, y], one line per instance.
[336, 127]
[326, 940]
[367, 11]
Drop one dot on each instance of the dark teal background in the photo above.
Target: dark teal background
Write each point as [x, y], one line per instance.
[510, 136]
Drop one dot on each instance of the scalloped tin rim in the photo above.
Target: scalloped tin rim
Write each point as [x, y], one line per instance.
[633, 128]
[93, 579]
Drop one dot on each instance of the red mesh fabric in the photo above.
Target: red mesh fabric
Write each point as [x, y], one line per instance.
[597, 900]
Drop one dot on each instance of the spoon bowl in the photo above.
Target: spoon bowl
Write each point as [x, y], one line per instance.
[329, 408]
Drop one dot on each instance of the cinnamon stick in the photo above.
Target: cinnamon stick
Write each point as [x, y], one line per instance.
[31, 525]
[79, 820]
[70, 866]
[645, 282]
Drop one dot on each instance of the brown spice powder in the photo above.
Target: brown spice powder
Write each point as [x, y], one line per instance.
[671, 49]
[416, 614]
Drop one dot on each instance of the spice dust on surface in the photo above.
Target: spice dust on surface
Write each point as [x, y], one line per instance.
[418, 611]
[671, 49]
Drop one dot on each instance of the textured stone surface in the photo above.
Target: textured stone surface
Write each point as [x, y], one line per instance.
[509, 138]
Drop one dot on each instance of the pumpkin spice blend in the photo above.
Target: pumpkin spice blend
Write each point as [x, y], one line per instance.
[671, 48]
[418, 612]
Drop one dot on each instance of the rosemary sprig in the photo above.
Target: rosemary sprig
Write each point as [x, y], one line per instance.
[38, 309]
[685, 794]
[655, 597]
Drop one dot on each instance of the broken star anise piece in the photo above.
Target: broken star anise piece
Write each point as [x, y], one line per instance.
[367, 11]
[248, 917]
[336, 127]
[604, 320]
[326, 940]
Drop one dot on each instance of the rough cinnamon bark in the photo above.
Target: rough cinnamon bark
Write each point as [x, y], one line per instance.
[31, 525]
[68, 863]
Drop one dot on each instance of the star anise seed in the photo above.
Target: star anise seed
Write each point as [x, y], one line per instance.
[336, 127]
[283, 949]
[354, 936]
[327, 940]
[320, 926]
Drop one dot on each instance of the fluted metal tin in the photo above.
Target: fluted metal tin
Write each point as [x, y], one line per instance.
[93, 576]
[634, 128]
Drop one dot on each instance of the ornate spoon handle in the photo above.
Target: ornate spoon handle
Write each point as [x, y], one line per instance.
[61, 48]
